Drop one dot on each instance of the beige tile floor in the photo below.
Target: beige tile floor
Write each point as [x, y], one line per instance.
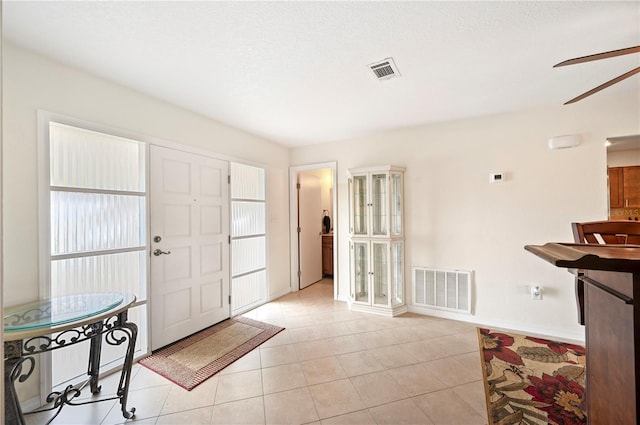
[329, 366]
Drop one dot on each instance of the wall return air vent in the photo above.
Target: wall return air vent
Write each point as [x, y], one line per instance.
[385, 69]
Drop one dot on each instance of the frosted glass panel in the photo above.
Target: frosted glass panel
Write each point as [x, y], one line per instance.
[248, 255]
[88, 159]
[248, 245]
[123, 272]
[248, 218]
[87, 172]
[397, 278]
[359, 205]
[379, 203]
[380, 269]
[396, 204]
[248, 290]
[361, 271]
[92, 221]
[247, 182]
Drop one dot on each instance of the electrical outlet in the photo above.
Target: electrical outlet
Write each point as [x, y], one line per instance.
[536, 293]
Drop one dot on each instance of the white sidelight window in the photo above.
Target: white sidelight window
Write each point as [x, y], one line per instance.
[248, 238]
[97, 209]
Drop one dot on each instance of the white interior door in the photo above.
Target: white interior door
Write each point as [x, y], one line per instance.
[189, 214]
[310, 225]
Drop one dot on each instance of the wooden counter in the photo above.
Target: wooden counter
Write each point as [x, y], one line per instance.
[612, 323]
[327, 254]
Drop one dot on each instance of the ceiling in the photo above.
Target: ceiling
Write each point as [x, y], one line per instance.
[296, 72]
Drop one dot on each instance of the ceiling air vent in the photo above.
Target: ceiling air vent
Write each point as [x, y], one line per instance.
[385, 69]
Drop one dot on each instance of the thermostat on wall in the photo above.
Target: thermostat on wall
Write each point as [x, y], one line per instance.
[497, 177]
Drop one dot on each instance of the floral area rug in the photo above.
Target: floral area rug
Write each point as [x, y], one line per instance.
[531, 380]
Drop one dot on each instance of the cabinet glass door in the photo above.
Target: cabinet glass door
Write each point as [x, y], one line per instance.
[397, 267]
[380, 272]
[359, 197]
[396, 204]
[361, 271]
[379, 204]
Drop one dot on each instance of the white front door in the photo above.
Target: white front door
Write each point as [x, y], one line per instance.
[310, 229]
[189, 230]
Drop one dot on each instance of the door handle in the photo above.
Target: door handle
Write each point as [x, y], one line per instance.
[159, 252]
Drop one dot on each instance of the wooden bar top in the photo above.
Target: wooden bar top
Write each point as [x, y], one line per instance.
[610, 275]
[622, 258]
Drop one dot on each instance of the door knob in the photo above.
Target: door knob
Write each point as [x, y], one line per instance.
[159, 252]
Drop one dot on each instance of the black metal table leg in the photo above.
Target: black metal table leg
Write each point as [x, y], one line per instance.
[27, 342]
[122, 331]
[12, 372]
[94, 358]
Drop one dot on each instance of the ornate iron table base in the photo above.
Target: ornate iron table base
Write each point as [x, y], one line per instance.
[19, 365]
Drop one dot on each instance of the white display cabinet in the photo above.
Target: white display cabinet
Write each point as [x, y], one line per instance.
[376, 227]
[376, 202]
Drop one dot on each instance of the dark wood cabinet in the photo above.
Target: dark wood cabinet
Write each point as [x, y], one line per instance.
[616, 188]
[611, 276]
[624, 193]
[327, 255]
[631, 186]
[612, 348]
[624, 187]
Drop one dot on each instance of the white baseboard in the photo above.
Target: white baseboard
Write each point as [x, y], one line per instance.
[279, 294]
[344, 298]
[525, 328]
[380, 311]
[30, 404]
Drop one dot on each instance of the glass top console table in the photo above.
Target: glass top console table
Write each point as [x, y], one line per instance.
[47, 325]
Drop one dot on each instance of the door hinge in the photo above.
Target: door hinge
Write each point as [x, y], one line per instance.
[299, 273]
[229, 239]
[299, 230]
[229, 179]
[229, 299]
[297, 185]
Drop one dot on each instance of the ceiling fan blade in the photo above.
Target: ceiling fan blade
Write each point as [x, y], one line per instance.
[604, 55]
[605, 85]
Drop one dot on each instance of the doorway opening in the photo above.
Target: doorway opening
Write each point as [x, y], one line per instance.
[313, 205]
[623, 172]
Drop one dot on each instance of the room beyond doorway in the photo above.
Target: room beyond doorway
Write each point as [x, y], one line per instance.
[312, 206]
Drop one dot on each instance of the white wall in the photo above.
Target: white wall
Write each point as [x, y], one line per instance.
[326, 181]
[624, 158]
[456, 219]
[32, 82]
